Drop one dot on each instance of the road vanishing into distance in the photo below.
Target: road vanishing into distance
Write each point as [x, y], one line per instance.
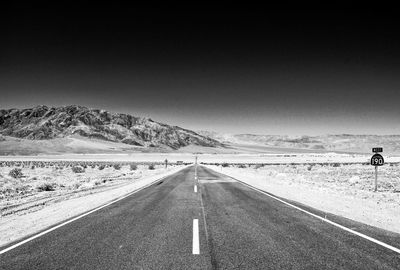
[212, 222]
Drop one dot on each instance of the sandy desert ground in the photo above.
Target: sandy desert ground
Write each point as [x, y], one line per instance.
[46, 195]
[244, 158]
[340, 189]
[49, 191]
[40, 183]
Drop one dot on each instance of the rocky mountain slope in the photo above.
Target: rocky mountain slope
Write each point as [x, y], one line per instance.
[47, 123]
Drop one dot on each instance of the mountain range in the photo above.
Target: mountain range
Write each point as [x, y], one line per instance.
[78, 129]
[71, 123]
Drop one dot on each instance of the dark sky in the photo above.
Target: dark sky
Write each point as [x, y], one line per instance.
[286, 71]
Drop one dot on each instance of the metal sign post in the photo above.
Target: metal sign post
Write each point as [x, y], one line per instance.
[377, 160]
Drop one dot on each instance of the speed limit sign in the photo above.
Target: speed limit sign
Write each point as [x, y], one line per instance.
[377, 160]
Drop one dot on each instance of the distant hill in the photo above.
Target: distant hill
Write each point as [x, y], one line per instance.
[58, 124]
[77, 129]
[323, 143]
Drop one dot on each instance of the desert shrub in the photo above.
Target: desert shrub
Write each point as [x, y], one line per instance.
[258, 166]
[117, 166]
[15, 173]
[151, 167]
[309, 167]
[133, 167]
[78, 169]
[76, 185]
[225, 164]
[6, 190]
[336, 165]
[45, 186]
[101, 167]
[33, 167]
[242, 166]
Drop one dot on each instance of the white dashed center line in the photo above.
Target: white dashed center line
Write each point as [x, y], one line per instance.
[195, 188]
[196, 244]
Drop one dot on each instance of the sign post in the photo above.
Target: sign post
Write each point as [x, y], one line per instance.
[377, 160]
[195, 168]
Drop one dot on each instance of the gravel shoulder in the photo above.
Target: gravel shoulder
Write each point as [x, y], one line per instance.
[59, 207]
[344, 190]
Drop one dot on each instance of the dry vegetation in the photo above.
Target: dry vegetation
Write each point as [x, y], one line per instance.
[341, 176]
[27, 184]
[338, 188]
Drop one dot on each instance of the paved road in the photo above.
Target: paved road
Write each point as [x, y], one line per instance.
[239, 228]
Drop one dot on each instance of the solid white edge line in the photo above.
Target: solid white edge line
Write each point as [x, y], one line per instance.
[326, 220]
[195, 188]
[196, 243]
[82, 215]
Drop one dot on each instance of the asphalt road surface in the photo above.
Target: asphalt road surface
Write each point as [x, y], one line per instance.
[238, 228]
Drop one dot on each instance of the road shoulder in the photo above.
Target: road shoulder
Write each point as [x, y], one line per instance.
[368, 211]
[16, 227]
